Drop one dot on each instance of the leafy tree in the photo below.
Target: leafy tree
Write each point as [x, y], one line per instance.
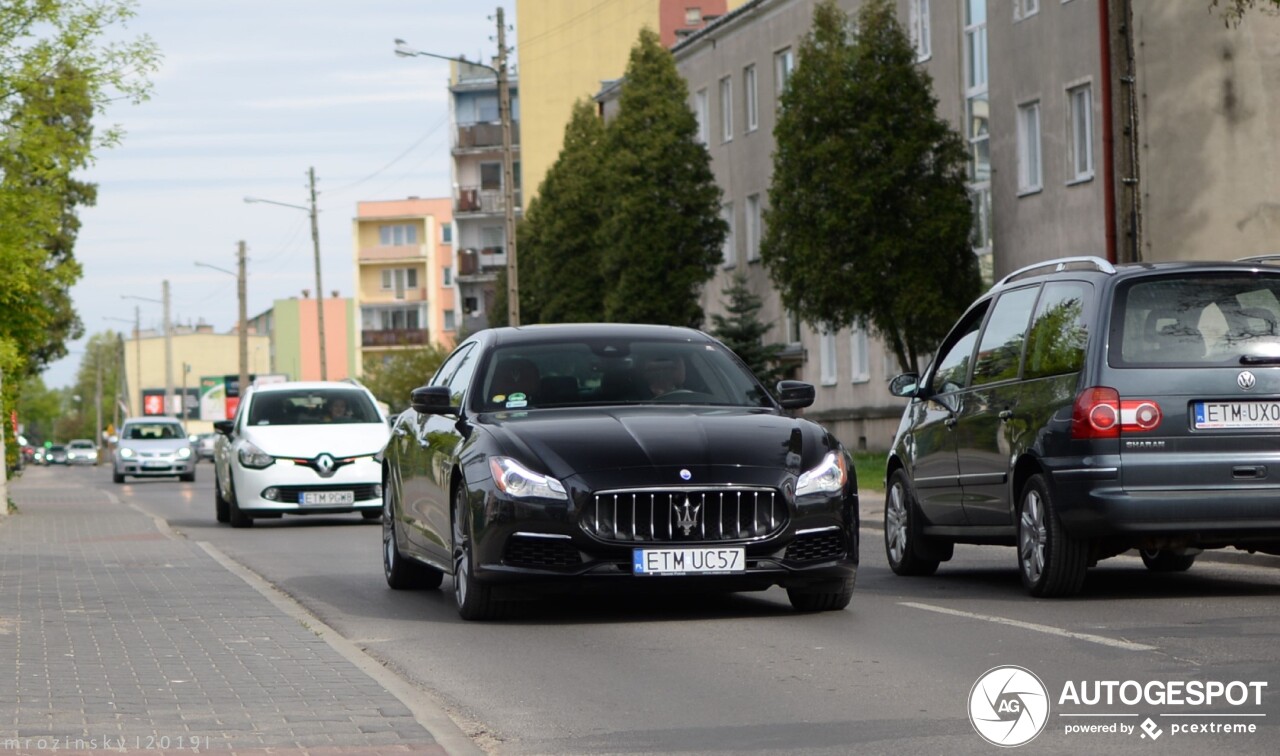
[662, 233]
[1233, 11]
[101, 350]
[392, 381]
[560, 275]
[869, 218]
[743, 332]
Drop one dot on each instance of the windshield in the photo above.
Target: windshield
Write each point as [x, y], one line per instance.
[80, 445]
[1208, 319]
[312, 407]
[611, 372]
[153, 431]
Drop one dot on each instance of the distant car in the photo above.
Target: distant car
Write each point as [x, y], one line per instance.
[37, 455]
[82, 452]
[55, 455]
[204, 444]
[300, 448]
[151, 447]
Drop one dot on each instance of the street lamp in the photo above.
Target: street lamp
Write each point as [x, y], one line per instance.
[168, 348]
[403, 50]
[244, 315]
[315, 243]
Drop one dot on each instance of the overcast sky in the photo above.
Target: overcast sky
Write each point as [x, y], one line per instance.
[251, 93]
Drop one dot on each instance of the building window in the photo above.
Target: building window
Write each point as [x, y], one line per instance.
[726, 108]
[471, 306]
[753, 227]
[1080, 103]
[447, 275]
[1024, 8]
[391, 318]
[487, 109]
[399, 279]
[492, 240]
[398, 235]
[727, 253]
[860, 358]
[700, 111]
[446, 233]
[920, 29]
[490, 176]
[749, 93]
[784, 62]
[692, 16]
[827, 358]
[1029, 179]
[977, 122]
[450, 320]
[793, 325]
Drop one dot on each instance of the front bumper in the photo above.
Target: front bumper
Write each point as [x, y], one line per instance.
[281, 487]
[155, 467]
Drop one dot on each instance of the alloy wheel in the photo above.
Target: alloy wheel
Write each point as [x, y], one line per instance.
[895, 524]
[1032, 535]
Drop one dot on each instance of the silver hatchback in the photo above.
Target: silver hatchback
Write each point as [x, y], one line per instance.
[153, 447]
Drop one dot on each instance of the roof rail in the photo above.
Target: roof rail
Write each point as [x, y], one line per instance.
[1272, 258]
[1060, 265]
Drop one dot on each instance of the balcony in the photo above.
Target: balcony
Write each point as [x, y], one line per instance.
[474, 199]
[391, 253]
[482, 136]
[392, 337]
[481, 262]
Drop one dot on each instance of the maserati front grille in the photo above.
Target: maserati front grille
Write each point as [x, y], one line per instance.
[685, 515]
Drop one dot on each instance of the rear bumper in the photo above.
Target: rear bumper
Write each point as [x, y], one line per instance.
[1206, 515]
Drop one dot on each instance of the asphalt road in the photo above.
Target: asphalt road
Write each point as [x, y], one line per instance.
[744, 673]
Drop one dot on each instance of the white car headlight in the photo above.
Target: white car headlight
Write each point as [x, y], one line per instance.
[516, 480]
[184, 452]
[252, 456]
[828, 477]
[126, 452]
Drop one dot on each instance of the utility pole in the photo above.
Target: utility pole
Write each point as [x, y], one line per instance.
[168, 353]
[508, 177]
[120, 389]
[244, 320]
[315, 242]
[137, 355]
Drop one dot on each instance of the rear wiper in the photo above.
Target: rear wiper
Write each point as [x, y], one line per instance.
[1255, 359]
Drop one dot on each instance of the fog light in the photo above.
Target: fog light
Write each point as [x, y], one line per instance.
[271, 494]
[377, 491]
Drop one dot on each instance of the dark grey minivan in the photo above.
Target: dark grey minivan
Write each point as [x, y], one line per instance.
[1081, 409]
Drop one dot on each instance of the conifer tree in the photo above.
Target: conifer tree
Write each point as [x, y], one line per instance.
[743, 332]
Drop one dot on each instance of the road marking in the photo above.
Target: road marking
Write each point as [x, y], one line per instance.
[1047, 629]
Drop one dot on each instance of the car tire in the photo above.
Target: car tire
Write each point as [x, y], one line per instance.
[908, 552]
[1163, 560]
[188, 477]
[828, 597]
[221, 507]
[371, 514]
[235, 515]
[475, 599]
[402, 574]
[117, 477]
[1052, 563]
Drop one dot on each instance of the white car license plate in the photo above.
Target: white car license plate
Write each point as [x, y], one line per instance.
[688, 561]
[1212, 415]
[155, 464]
[327, 497]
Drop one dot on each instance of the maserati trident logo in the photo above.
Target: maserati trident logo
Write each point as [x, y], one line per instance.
[325, 465]
[1246, 380]
[687, 515]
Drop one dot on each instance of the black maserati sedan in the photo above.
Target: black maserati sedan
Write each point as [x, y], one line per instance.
[582, 457]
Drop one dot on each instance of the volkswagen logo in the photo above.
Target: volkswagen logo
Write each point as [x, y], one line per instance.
[1008, 706]
[1246, 380]
[325, 465]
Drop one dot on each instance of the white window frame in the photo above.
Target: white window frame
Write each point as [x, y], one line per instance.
[397, 235]
[1023, 9]
[450, 320]
[1080, 132]
[828, 371]
[446, 233]
[859, 356]
[726, 109]
[446, 274]
[1030, 155]
[784, 64]
[751, 96]
[752, 219]
[728, 254]
[920, 30]
[794, 334]
[700, 110]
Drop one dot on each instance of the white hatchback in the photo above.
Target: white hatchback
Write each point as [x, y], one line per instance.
[300, 448]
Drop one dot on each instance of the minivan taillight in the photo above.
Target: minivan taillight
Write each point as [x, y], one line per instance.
[1099, 412]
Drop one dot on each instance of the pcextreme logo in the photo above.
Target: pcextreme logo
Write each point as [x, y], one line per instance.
[1008, 706]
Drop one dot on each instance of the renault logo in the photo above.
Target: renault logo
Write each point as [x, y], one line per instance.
[1246, 380]
[325, 465]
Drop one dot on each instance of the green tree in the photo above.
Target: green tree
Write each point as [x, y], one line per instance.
[101, 351]
[392, 381]
[662, 233]
[869, 218]
[743, 332]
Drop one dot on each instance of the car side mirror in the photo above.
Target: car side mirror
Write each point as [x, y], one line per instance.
[225, 427]
[905, 385]
[433, 400]
[795, 394]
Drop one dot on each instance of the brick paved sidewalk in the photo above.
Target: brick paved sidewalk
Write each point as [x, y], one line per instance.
[114, 634]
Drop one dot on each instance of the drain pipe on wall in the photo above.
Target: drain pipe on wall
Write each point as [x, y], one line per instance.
[1108, 136]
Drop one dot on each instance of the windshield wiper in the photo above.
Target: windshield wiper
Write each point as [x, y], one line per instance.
[1255, 359]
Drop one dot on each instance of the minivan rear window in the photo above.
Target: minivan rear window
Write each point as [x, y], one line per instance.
[1205, 319]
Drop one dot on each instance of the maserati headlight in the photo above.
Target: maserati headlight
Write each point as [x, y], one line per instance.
[126, 452]
[253, 457]
[184, 452]
[518, 481]
[828, 477]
